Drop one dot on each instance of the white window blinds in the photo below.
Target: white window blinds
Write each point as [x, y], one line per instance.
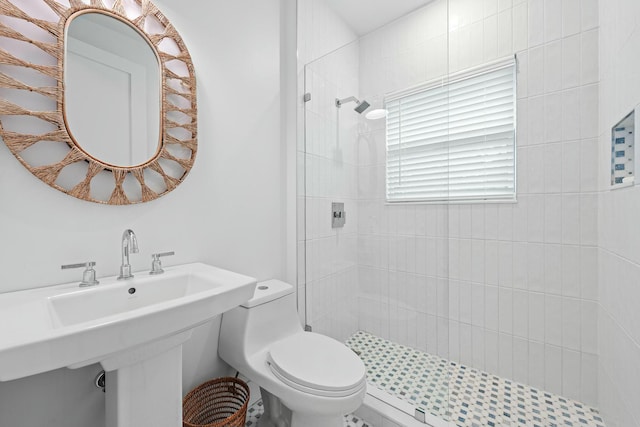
[454, 141]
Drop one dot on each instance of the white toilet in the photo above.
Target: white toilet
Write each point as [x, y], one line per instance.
[306, 379]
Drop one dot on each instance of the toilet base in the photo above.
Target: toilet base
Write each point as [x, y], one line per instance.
[278, 415]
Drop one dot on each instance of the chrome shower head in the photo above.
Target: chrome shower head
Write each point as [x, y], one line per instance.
[360, 107]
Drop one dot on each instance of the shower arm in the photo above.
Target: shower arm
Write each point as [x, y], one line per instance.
[339, 102]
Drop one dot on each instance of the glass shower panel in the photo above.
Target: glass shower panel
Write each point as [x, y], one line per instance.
[380, 282]
[331, 172]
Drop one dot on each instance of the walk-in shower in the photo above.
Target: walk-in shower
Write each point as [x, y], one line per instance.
[477, 313]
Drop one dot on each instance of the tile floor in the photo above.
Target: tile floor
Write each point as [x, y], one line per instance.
[467, 396]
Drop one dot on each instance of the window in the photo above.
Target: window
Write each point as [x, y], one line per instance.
[454, 141]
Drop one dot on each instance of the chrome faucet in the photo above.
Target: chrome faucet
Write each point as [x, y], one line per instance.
[129, 245]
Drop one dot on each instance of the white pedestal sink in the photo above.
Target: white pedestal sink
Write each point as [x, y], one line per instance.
[133, 328]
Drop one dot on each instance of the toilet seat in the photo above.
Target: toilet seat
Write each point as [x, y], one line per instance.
[316, 364]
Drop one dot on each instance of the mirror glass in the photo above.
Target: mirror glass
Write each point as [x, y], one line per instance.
[112, 90]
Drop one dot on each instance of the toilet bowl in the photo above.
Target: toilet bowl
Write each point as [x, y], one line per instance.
[306, 379]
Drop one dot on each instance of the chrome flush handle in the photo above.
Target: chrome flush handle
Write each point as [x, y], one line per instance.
[89, 274]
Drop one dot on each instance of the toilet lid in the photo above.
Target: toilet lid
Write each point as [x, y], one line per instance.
[317, 363]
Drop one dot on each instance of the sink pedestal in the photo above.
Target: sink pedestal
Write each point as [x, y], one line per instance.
[146, 392]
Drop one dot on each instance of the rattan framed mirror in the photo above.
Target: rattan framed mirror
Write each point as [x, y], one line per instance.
[33, 122]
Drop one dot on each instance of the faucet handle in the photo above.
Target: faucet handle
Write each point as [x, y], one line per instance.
[156, 264]
[89, 274]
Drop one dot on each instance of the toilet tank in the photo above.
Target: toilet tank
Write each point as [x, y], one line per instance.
[267, 317]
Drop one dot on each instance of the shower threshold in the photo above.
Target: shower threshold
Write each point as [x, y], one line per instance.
[454, 394]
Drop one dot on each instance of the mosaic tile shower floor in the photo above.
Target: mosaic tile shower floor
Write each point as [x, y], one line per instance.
[477, 398]
[255, 412]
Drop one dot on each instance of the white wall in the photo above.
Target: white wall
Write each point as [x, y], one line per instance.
[228, 212]
[619, 234]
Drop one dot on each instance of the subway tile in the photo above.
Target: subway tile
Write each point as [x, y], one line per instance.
[521, 313]
[490, 7]
[553, 167]
[520, 27]
[490, 37]
[491, 298]
[571, 166]
[465, 303]
[589, 111]
[589, 219]
[505, 357]
[552, 218]
[520, 226]
[520, 265]
[477, 261]
[553, 61]
[571, 271]
[553, 269]
[589, 327]
[478, 350]
[536, 22]
[536, 71]
[491, 355]
[491, 221]
[571, 60]
[535, 268]
[553, 369]
[589, 379]
[491, 272]
[536, 313]
[536, 168]
[588, 164]
[571, 369]
[571, 333]
[537, 364]
[571, 116]
[571, 219]
[520, 360]
[505, 316]
[570, 17]
[589, 14]
[589, 273]
[553, 320]
[505, 221]
[505, 32]
[477, 305]
[477, 221]
[590, 57]
[552, 20]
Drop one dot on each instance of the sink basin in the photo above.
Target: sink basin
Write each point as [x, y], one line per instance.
[116, 323]
[122, 297]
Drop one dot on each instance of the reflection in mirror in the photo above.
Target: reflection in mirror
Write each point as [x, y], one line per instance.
[112, 90]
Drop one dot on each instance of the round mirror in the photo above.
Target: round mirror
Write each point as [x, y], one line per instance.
[112, 90]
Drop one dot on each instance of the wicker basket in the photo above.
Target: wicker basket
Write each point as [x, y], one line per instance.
[217, 403]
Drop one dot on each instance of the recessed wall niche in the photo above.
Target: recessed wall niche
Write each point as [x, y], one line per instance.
[623, 152]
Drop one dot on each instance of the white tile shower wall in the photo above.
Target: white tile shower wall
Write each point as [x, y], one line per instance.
[509, 288]
[619, 234]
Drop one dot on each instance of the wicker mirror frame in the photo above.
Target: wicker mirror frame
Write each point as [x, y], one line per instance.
[178, 96]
